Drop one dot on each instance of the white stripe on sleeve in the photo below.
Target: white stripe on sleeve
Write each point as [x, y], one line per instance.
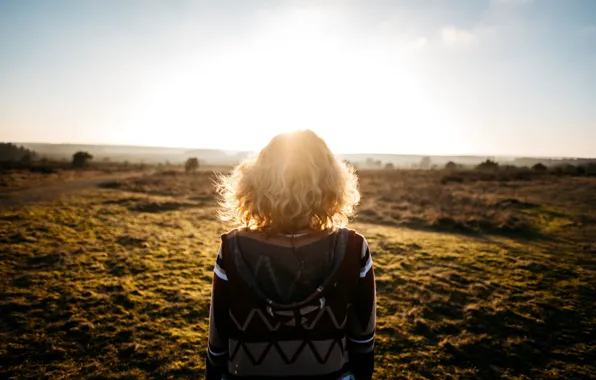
[220, 273]
[362, 341]
[365, 270]
[217, 353]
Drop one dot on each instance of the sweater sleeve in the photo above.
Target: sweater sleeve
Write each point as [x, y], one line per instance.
[362, 319]
[217, 347]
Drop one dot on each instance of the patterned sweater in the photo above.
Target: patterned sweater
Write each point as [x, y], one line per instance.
[299, 306]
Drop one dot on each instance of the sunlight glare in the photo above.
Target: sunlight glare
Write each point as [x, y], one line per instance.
[291, 74]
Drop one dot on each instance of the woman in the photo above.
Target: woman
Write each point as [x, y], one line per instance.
[293, 291]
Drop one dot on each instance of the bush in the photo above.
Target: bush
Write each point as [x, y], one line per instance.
[488, 165]
[580, 170]
[590, 168]
[539, 167]
[80, 159]
[565, 169]
[27, 158]
[451, 166]
[389, 166]
[191, 165]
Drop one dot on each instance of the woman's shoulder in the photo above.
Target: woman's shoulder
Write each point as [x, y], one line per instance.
[360, 239]
[231, 233]
[366, 262]
[359, 236]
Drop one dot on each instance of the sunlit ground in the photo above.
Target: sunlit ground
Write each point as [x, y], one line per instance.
[114, 283]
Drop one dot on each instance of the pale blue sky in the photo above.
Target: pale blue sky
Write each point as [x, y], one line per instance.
[488, 77]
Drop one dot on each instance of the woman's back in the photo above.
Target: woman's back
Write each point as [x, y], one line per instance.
[312, 322]
[293, 292]
[287, 267]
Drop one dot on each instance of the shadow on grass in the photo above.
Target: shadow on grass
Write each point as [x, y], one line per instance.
[118, 328]
[454, 316]
[508, 340]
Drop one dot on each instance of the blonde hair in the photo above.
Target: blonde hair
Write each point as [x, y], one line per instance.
[294, 183]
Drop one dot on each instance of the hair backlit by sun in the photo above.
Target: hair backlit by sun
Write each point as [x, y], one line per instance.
[295, 183]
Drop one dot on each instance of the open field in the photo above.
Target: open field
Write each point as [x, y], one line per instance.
[478, 277]
[17, 180]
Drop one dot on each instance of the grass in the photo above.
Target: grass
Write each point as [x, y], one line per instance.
[114, 283]
[93, 289]
[14, 180]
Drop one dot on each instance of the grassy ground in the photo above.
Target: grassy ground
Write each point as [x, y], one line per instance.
[14, 180]
[114, 283]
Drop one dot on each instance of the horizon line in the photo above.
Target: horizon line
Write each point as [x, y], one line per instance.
[488, 156]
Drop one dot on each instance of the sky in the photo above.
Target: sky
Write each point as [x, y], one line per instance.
[478, 77]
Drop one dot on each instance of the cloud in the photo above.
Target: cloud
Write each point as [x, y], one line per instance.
[456, 37]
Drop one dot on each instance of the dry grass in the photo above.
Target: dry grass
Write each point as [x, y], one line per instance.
[522, 208]
[114, 283]
[12, 180]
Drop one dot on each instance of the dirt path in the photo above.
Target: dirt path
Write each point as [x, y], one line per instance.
[21, 196]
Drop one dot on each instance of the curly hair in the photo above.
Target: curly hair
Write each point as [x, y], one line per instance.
[294, 183]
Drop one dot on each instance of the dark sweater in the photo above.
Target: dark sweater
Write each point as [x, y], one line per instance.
[292, 307]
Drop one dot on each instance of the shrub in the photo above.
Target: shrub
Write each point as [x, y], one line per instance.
[539, 167]
[191, 165]
[80, 159]
[488, 165]
[27, 158]
[389, 166]
[451, 165]
[590, 168]
[580, 170]
[565, 169]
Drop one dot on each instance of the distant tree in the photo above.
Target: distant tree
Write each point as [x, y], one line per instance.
[580, 170]
[566, 169]
[389, 166]
[451, 165]
[425, 163]
[591, 168]
[12, 152]
[539, 167]
[27, 158]
[191, 165]
[80, 159]
[371, 162]
[488, 165]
